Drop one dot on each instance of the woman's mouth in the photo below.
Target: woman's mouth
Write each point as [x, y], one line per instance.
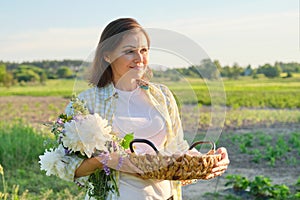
[137, 67]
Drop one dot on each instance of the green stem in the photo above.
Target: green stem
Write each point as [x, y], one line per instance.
[4, 184]
[112, 178]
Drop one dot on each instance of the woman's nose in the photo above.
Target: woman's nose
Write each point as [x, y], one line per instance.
[138, 57]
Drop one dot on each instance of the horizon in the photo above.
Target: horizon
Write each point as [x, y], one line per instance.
[152, 66]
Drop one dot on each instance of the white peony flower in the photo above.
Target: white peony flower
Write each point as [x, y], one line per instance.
[87, 134]
[51, 161]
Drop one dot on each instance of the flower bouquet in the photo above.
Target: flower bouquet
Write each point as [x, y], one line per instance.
[84, 135]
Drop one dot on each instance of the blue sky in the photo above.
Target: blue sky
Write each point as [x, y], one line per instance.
[247, 32]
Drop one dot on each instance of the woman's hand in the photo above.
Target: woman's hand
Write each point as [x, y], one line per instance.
[221, 166]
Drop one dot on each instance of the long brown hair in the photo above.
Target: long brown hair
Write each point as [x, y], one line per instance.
[101, 72]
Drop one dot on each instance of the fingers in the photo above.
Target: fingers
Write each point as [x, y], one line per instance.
[221, 166]
[223, 162]
[224, 157]
[216, 171]
[213, 175]
[222, 150]
[219, 169]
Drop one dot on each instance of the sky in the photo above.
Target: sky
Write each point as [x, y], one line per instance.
[232, 31]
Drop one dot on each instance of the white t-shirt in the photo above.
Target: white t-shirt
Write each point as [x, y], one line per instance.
[134, 114]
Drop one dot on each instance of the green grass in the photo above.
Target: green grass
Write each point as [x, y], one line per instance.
[20, 146]
[51, 88]
[245, 92]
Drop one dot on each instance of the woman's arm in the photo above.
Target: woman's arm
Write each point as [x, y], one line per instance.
[87, 167]
[90, 165]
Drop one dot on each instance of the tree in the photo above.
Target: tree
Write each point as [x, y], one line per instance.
[2, 72]
[277, 70]
[64, 72]
[289, 67]
[289, 75]
[8, 80]
[29, 73]
[218, 65]
[236, 71]
[225, 71]
[269, 71]
[248, 71]
[232, 72]
[208, 69]
[43, 77]
[27, 76]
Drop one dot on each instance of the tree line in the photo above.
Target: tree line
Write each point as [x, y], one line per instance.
[37, 72]
[212, 69]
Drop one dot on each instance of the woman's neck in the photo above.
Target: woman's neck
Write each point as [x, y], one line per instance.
[125, 85]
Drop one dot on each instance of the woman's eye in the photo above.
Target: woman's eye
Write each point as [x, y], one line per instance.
[129, 51]
[144, 50]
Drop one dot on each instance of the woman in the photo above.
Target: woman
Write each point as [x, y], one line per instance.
[123, 95]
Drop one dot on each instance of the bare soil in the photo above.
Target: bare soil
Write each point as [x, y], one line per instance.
[281, 173]
[33, 110]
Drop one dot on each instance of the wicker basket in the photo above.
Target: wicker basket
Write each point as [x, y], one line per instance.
[174, 167]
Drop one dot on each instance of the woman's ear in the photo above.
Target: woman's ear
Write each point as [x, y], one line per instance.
[106, 57]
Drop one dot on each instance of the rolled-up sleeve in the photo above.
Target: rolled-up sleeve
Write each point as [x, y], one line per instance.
[70, 164]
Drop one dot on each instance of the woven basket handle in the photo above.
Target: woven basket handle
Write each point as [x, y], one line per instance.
[213, 145]
[142, 141]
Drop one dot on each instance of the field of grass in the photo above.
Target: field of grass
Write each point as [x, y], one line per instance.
[51, 88]
[245, 92]
[20, 146]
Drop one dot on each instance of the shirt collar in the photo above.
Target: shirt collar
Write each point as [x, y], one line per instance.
[109, 90]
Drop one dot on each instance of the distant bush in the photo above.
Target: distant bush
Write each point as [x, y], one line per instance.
[269, 71]
[64, 72]
[289, 75]
[29, 73]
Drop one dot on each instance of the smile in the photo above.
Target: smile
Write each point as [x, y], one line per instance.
[137, 67]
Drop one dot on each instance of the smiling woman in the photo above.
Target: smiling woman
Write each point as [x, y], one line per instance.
[122, 94]
[122, 42]
[130, 58]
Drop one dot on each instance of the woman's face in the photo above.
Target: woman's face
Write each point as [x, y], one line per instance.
[130, 58]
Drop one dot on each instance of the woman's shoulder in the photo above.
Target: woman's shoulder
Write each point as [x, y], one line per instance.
[91, 92]
[87, 93]
[161, 87]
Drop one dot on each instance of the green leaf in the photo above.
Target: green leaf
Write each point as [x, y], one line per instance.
[126, 140]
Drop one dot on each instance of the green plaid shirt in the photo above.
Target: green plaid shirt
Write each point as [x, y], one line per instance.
[103, 102]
